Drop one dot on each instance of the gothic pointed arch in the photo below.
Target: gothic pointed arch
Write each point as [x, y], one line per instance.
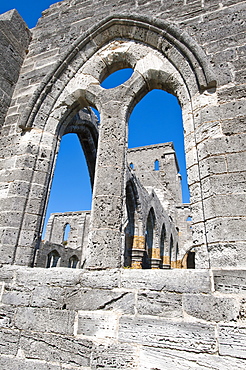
[173, 42]
[163, 56]
[150, 238]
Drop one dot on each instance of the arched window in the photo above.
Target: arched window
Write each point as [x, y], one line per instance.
[150, 226]
[66, 233]
[71, 185]
[162, 245]
[130, 227]
[189, 221]
[176, 253]
[73, 262]
[156, 165]
[149, 124]
[170, 248]
[53, 259]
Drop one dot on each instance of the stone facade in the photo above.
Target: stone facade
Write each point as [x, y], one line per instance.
[105, 315]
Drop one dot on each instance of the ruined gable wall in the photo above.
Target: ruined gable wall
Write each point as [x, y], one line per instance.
[140, 319]
[75, 244]
[216, 161]
[56, 226]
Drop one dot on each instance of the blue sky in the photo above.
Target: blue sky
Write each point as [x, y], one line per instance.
[30, 10]
[156, 119]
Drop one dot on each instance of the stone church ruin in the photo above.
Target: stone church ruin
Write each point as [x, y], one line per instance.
[143, 281]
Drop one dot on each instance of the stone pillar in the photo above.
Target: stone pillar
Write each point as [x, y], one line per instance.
[155, 258]
[166, 262]
[104, 249]
[138, 250]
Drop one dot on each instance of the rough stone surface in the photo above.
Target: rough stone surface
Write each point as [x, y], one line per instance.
[179, 281]
[14, 39]
[164, 334]
[230, 281]
[95, 319]
[175, 48]
[105, 316]
[211, 308]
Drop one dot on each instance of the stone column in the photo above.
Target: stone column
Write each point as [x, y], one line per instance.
[155, 258]
[138, 250]
[166, 262]
[104, 249]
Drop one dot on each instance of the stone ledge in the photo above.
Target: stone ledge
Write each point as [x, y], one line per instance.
[176, 280]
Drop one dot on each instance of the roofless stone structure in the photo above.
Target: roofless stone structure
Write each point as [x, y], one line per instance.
[130, 303]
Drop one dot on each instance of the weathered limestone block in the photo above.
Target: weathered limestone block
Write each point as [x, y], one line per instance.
[53, 348]
[100, 279]
[213, 165]
[46, 320]
[9, 341]
[232, 341]
[114, 356]
[52, 277]
[180, 281]
[105, 217]
[236, 161]
[233, 125]
[226, 183]
[47, 296]
[222, 145]
[242, 310]
[95, 299]
[211, 308]
[101, 253]
[6, 315]
[15, 363]
[97, 324]
[228, 254]
[194, 337]
[230, 281]
[224, 205]
[14, 40]
[156, 358]
[17, 297]
[159, 304]
[223, 230]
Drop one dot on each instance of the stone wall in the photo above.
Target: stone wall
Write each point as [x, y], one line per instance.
[78, 222]
[14, 40]
[69, 249]
[164, 177]
[122, 319]
[192, 49]
[116, 318]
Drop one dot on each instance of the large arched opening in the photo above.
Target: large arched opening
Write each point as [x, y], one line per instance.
[157, 119]
[156, 66]
[71, 187]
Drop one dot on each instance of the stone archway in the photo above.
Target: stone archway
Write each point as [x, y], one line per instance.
[163, 57]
